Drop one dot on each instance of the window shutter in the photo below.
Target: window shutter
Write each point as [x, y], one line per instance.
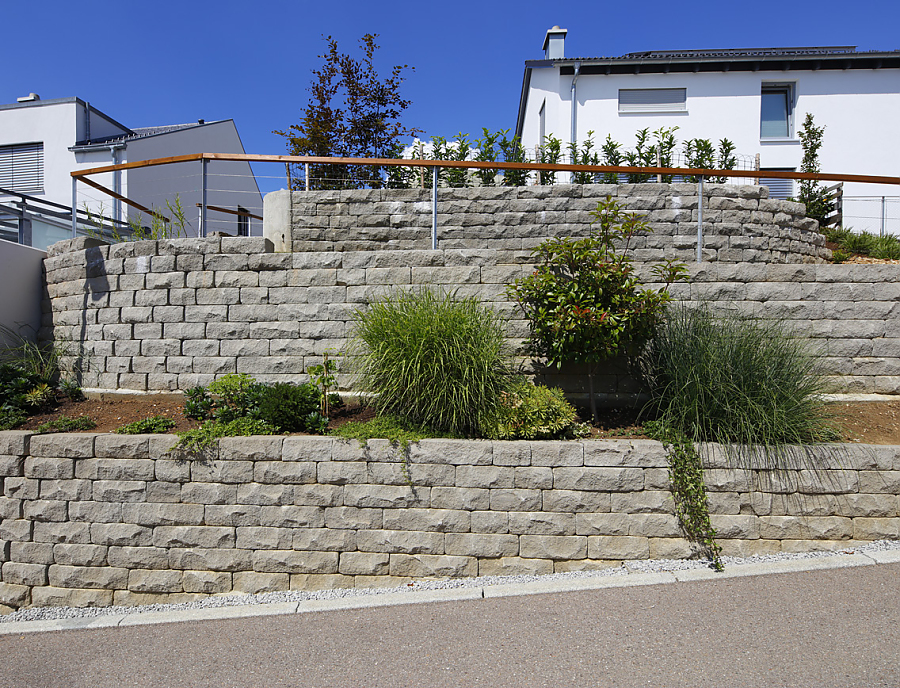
[778, 188]
[22, 167]
[652, 99]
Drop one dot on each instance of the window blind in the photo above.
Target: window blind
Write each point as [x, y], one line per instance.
[22, 167]
[652, 99]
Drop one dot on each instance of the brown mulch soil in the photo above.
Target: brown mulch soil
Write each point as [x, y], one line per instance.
[870, 422]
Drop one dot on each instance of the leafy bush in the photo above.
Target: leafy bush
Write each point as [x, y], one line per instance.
[200, 439]
[21, 392]
[291, 408]
[11, 418]
[236, 396]
[153, 424]
[583, 303]
[66, 424]
[861, 243]
[198, 404]
[532, 412]
[728, 379]
[432, 358]
[72, 390]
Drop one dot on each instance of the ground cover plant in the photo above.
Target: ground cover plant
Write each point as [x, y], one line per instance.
[151, 425]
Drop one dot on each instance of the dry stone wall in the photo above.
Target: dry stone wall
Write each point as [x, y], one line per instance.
[170, 315]
[93, 519]
[740, 223]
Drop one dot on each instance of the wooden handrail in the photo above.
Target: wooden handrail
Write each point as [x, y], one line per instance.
[242, 213]
[476, 164]
[127, 201]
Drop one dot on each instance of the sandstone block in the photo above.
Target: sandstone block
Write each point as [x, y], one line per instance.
[364, 563]
[829, 482]
[120, 534]
[127, 447]
[55, 532]
[320, 581]
[469, 499]
[15, 443]
[11, 464]
[385, 496]
[264, 495]
[534, 478]
[79, 555]
[400, 542]
[49, 468]
[253, 537]
[863, 529]
[490, 477]
[292, 516]
[70, 597]
[102, 577]
[607, 524]
[257, 448]
[222, 471]
[495, 522]
[646, 502]
[453, 452]
[230, 515]
[341, 472]
[211, 493]
[736, 527]
[45, 510]
[149, 514]
[481, 545]
[280, 472]
[353, 518]
[10, 508]
[556, 454]
[867, 505]
[27, 552]
[193, 536]
[425, 475]
[15, 596]
[432, 566]
[318, 495]
[95, 512]
[375, 582]
[119, 491]
[436, 520]
[208, 582]
[541, 523]
[511, 453]
[874, 482]
[70, 445]
[324, 539]
[516, 500]
[553, 547]
[21, 488]
[514, 566]
[198, 559]
[20, 573]
[599, 479]
[292, 561]
[307, 449]
[670, 548]
[147, 580]
[254, 583]
[66, 490]
[138, 557]
[575, 501]
[618, 547]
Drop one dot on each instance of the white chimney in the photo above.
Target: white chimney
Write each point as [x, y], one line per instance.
[29, 98]
[555, 44]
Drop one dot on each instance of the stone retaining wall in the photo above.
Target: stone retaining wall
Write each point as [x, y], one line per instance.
[740, 223]
[170, 315]
[107, 519]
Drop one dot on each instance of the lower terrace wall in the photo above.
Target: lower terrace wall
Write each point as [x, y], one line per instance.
[91, 519]
[740, 223]
[170, 315]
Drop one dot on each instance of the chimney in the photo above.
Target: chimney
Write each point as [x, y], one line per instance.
[29, 98]
[555, 44]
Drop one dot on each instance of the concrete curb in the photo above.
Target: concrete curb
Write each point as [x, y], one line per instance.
[455, 594]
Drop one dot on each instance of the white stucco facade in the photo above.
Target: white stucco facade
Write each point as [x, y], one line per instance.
[75, 135]
[855, 96]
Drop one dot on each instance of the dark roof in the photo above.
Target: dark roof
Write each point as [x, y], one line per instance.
[140, 133]
[727, 59]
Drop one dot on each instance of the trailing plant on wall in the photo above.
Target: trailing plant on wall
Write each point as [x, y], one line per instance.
[583, 303]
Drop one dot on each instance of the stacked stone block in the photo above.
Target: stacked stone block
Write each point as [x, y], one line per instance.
[171, 315]
[740, 223]
[107, 519]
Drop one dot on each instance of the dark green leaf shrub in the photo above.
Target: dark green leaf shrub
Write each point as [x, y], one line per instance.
[861, 243]
[288, 407]
[886, 248]
[153, 424]
[236, 396]
[198, 404]
[532, 412]
[583, 303]
[430, 358]
[66, 424]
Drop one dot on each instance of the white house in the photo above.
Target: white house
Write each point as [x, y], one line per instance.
[757, 98]
[42, 141]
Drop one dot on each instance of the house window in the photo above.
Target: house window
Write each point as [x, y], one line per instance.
[777, 111]
[652, 99]
[778, 188]
[243, 222]
[22, 167]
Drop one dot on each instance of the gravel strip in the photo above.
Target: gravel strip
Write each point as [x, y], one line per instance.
[232, 600]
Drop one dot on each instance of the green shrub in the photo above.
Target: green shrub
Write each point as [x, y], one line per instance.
[861, 243]
[151, 425]
[290, 407]
[11, 418]
[198, 404]
[200, 439]
[886, 248]
[532, 412]
[432, 358]
[583, 303]
[728, 379]
[236, 396]
[72, 390]
[836, 234]
[839, 255]
[66, 424]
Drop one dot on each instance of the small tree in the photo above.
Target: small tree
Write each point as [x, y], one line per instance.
[812, 194]
[583, 302]
[352, 112]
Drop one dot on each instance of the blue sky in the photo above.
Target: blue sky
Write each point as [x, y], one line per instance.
[170, 62]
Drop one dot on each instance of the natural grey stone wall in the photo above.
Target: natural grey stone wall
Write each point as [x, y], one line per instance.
[170, 315]
[740, 223]
[99, 519]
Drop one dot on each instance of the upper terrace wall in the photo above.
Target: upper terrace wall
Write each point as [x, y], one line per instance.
[741, 224]
[169, 315]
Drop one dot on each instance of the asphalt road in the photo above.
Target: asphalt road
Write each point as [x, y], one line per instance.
[837, 627]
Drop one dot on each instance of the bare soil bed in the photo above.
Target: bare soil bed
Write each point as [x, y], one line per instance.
[870, 422]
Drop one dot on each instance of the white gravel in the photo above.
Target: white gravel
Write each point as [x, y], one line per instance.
[229, 600]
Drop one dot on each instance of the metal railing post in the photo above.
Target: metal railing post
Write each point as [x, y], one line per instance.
[74, 207]
[306, 175]
[700, 220]
[434, 188]
[882, 216]
[203, 162]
